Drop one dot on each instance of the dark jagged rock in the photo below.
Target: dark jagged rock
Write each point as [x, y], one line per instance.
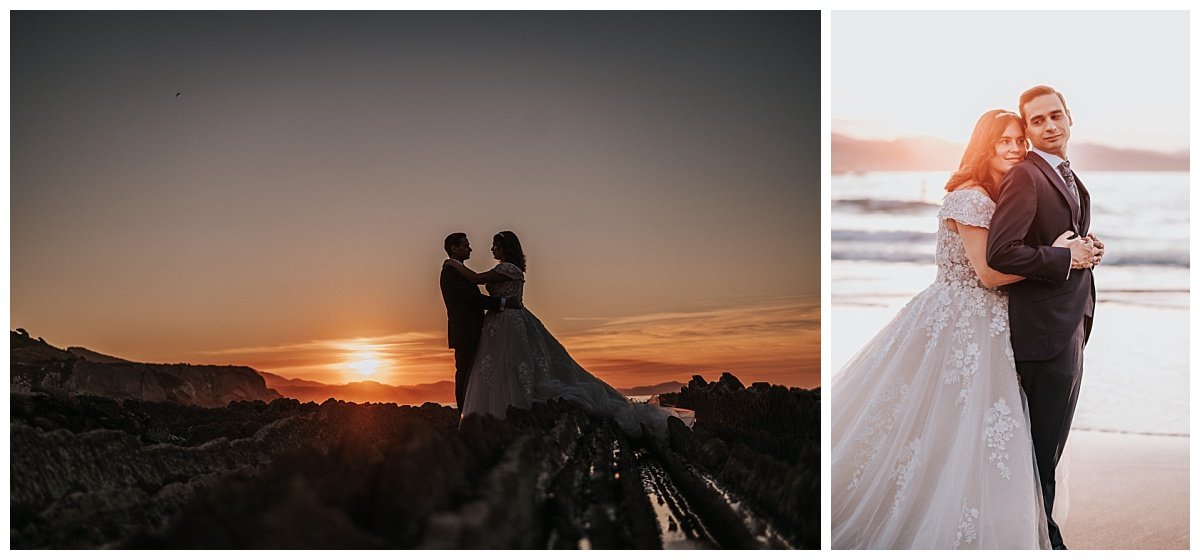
[151, 422]
[729, 382]
[108, 479]
[91, 472]
[775, 420]
[763, 444]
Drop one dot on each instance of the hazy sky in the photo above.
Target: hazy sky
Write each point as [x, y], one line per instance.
[1124, 74]
[286, 210]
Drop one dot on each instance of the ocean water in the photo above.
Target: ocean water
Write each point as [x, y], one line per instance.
[1136, 363]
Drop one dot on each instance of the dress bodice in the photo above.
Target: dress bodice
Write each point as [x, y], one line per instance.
[513, 287]
[969, 207]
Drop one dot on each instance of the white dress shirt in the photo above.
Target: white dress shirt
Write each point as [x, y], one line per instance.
[1053, 160]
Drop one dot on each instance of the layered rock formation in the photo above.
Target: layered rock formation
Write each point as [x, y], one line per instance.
[39, 367]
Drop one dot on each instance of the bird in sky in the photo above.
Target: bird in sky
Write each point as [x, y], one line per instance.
[177, 93]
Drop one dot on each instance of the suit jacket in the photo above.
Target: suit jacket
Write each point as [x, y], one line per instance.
[464, 308]
[1033, 209]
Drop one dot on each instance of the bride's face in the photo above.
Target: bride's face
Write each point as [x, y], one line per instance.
[1010, 150]
[497, 252]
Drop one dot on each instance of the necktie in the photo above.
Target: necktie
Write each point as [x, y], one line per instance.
[1069, 177]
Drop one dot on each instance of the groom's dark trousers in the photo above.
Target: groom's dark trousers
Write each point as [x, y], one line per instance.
[1052, 389]
[464, 321]
[1050, 312]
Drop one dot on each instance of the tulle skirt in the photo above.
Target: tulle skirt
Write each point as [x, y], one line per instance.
[519, 362]
[931, 445]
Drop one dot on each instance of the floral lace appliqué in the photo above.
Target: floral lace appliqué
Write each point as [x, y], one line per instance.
[999, 428]
[525, 376]
[965, 361]
[966, 525]
[999, 326]
[485, 370]
[906, 466]
[883, 412]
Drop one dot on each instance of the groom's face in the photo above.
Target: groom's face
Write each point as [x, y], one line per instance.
[462, 251]
[1048, 124]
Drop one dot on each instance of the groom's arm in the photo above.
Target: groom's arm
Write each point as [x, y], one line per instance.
[1007, 250]
[459, 289]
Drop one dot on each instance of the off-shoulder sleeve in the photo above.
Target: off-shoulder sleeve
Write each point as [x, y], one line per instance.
[969, 207]
[510, 270]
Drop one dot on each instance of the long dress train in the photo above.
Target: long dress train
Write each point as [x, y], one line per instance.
[931, 445]
[519, 362]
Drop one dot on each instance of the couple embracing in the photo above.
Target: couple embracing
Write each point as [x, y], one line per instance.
[506, 357]
[948, 425]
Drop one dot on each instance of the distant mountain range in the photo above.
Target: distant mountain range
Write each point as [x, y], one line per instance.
[855, 155]
[304, 390]
[372, 391]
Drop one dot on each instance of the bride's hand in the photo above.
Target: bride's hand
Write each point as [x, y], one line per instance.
[1064, 240]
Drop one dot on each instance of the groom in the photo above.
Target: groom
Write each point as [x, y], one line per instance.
[464, 313]
[1051, 311]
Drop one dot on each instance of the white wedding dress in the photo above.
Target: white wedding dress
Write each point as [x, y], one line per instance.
[519, 362]
[931, 445]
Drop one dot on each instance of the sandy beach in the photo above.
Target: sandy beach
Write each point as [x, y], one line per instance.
[1127, 491]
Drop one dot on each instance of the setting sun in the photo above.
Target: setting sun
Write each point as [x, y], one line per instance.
[366, 365]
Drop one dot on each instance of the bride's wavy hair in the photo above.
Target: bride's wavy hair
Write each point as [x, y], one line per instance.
[974, 166]
[510, 247]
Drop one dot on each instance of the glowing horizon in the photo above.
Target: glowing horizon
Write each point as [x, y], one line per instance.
[626, 352]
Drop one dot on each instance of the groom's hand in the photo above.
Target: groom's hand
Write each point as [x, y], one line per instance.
[1081, 252]
[1097, 249]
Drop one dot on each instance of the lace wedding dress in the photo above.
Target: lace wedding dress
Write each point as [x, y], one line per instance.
[519, 362]
[931, 445]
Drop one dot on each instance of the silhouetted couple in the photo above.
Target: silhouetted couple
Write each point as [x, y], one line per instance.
[506, 357]
[948, 426]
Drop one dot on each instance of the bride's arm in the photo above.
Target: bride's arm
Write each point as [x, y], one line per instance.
[476, 277]
[975, 241]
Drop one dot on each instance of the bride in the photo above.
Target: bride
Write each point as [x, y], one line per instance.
[519, 362]
[931, 444]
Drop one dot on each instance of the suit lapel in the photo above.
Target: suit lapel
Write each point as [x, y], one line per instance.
[1058, 183]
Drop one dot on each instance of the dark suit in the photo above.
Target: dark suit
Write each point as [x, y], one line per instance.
[1050, 312]
[464, 314]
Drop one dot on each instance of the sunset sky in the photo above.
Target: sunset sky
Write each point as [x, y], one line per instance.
[904, 74]
[286, 209]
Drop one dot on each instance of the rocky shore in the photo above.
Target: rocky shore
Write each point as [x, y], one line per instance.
[93, 472]
[38, 367]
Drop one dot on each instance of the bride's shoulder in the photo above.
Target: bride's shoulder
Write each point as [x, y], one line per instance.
[968, 204]
[975, 189]
[969, 193]
[510, 270]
